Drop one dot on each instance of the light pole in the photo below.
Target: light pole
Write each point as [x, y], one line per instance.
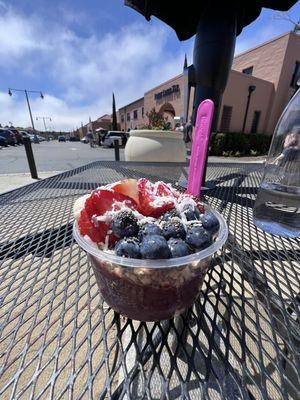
[251, 89]
[44, 118]
[10, 90]
[27, 142]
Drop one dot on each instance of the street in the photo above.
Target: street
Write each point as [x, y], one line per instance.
[53, 156]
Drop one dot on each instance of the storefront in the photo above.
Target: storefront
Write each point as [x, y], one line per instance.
[258, 88]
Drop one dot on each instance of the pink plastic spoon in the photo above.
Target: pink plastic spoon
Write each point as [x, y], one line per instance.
[200, 144]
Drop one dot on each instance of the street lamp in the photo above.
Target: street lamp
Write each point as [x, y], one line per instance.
[44, 118]
[251, 89]
[10, 90]
[27, 143]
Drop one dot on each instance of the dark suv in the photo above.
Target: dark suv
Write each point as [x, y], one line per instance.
[9, 136]
[17, 134]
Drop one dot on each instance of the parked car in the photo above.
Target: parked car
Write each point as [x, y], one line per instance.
[74, 139]
[27, 134]
[17, 134]
[41, 138]
[111, 136]
[87, 138]
[61, 138]
[3, 141]
[9, 136]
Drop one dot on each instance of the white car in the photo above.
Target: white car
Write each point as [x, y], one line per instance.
[110, 137]
[26, 134]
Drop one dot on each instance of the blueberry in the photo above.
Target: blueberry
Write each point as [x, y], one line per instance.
[124, 224]
[149, 229]
[178, 248]
[170, 214]
[191, 212]
[173, 229]
[197, 237]
[154, 247]
[128, 247]
[210, 222]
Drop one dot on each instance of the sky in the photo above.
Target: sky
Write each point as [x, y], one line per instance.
[79, 52]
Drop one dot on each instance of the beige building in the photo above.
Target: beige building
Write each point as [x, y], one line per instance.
[269, 72]
[132, 115]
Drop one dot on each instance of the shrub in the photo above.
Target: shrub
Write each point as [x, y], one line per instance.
[156, 121]
[239, 144]
[227, 154]
[219, 144]
[260, 143]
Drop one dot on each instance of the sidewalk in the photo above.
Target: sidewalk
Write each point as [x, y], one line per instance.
[258, 159]
[13, 181]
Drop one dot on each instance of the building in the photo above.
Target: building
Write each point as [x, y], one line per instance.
[267, 73]
[132, 115]
[103, 122]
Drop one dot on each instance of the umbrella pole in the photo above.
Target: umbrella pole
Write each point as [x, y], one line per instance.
[213, 54]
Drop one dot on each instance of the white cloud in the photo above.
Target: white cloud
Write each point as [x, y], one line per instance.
[246, 41]
[86, 69]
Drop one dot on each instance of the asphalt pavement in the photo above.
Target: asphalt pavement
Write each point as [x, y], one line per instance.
[53, 156]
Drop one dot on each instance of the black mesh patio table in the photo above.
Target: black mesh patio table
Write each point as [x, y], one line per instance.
[59, 340]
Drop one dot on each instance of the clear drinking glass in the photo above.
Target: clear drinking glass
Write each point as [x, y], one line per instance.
[277, 207]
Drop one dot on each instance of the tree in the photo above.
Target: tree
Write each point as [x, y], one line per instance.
[114, 114]
[185, 65]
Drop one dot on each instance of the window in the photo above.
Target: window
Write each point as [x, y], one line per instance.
[135, 114]
[143, 112]
[122, 118]
[255, 121]
[296, 75]
[248, 71]
[128, 116]
[226, 118]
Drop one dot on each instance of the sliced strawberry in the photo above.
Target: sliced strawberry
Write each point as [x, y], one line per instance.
[154, 199]
[86, 227]
[97, 230]
[128, 187]
[103, 200]
[90, 207]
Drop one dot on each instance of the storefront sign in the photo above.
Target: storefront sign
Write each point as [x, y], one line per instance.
[167, 92]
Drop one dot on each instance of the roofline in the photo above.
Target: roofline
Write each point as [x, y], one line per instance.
[101, 116]
[264, 43]
[164, 83]
[129, 104]
[250, 77]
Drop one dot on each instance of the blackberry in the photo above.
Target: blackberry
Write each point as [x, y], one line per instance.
[124, 224]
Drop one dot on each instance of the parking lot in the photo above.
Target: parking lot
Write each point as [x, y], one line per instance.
[53, 156]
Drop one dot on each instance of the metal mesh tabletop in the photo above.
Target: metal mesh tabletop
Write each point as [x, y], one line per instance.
[59, 340]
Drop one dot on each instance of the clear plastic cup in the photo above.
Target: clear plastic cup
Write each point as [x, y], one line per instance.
[151, 290]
